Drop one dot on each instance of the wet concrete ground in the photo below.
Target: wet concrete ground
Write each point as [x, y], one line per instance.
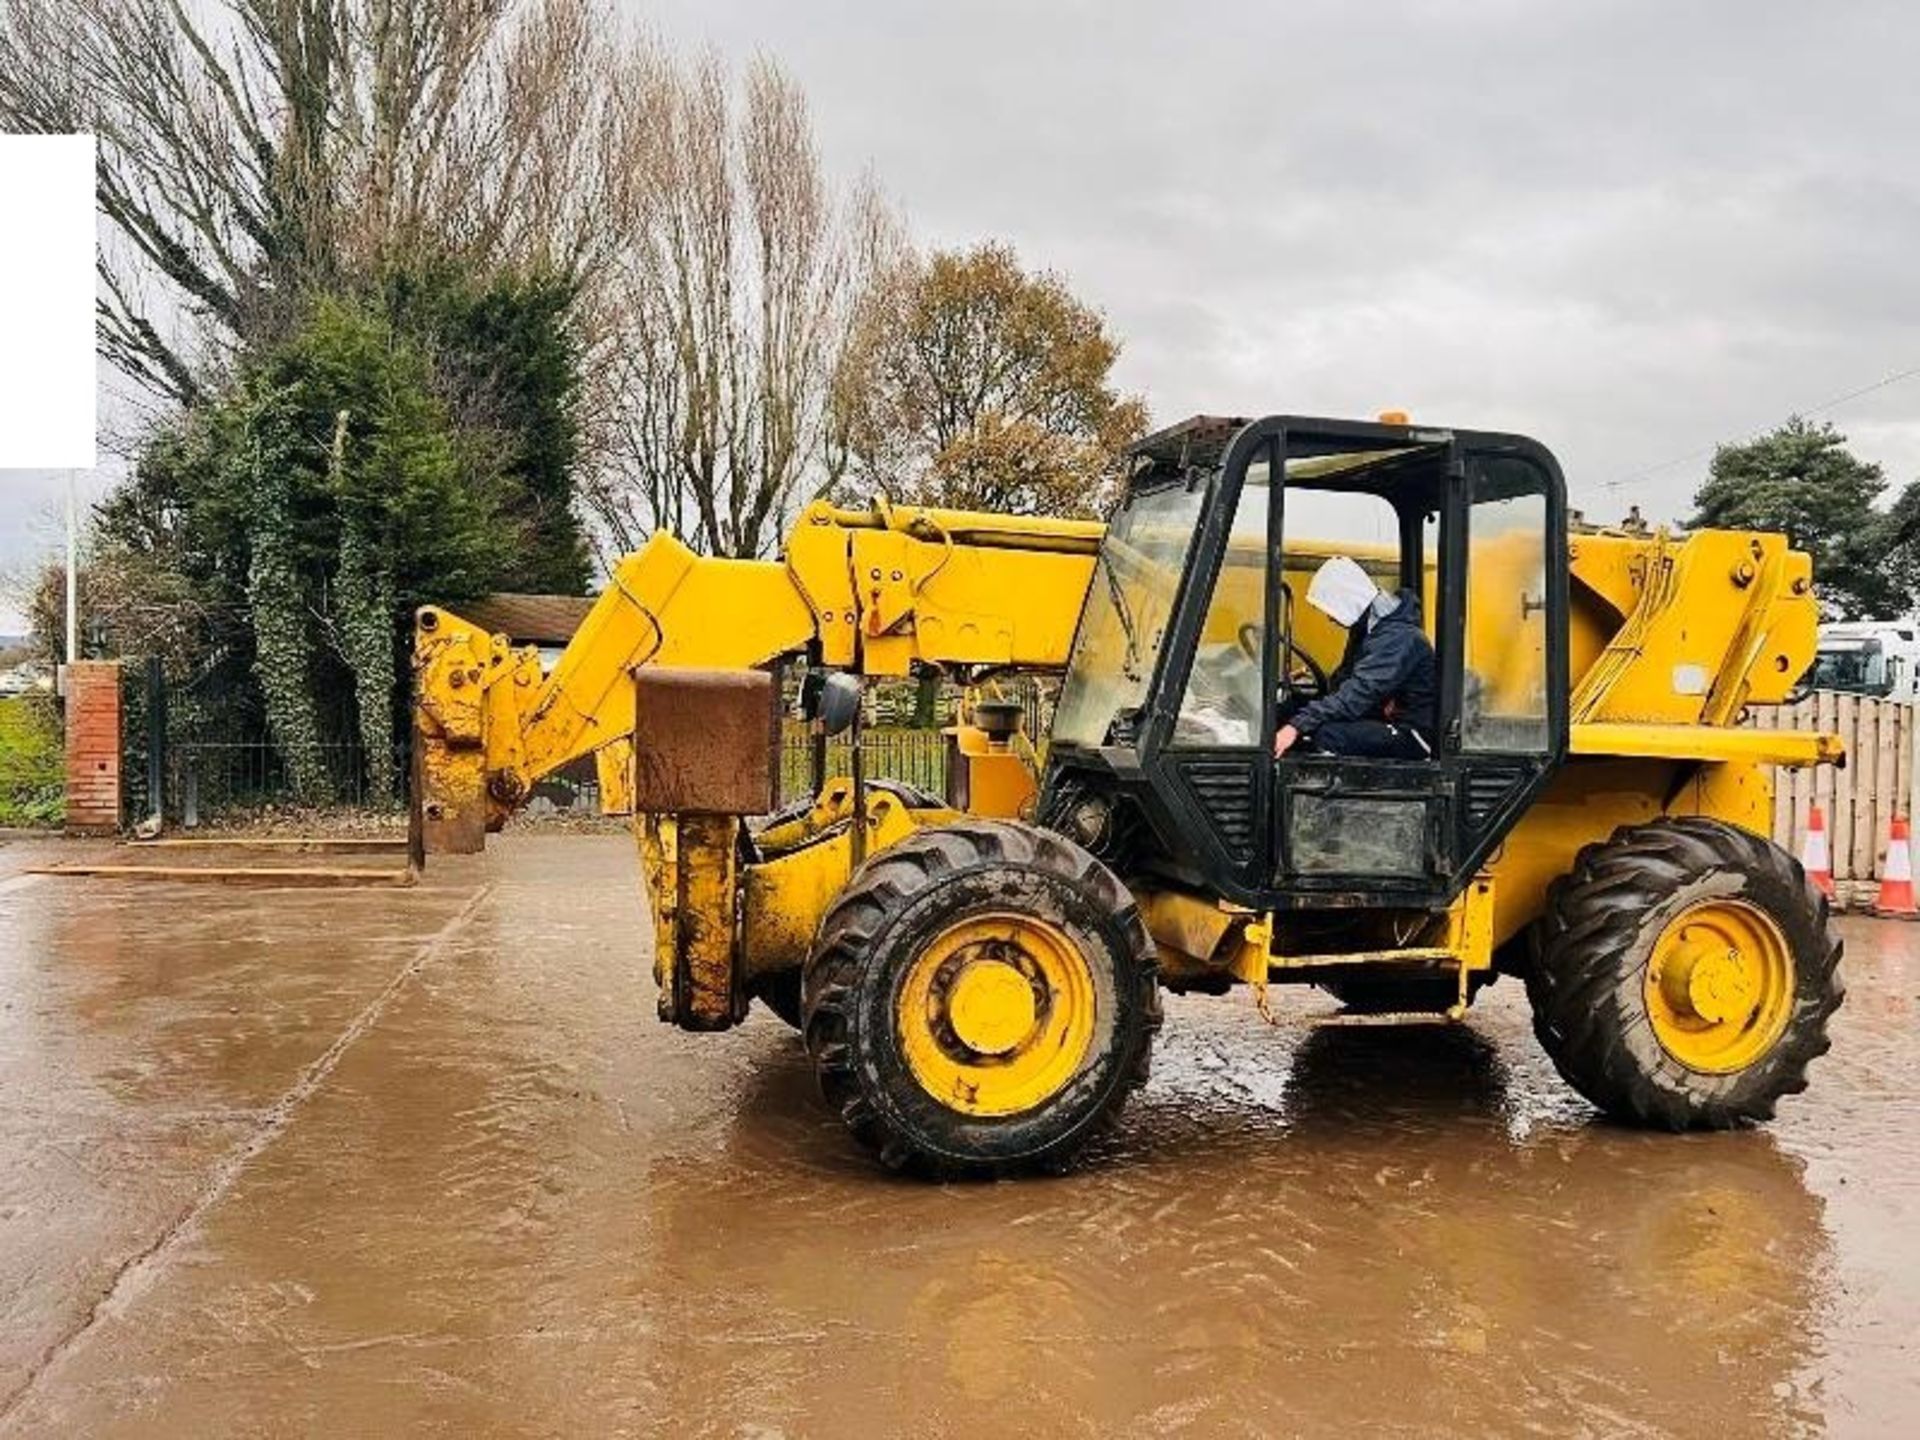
[371, 1161]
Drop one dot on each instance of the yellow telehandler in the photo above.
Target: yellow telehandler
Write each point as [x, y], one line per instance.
[977, 975]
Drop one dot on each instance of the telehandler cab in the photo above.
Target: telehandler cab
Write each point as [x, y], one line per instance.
[977, 976]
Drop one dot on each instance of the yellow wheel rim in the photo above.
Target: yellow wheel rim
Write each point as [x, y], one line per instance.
[996, 1014]
[1719, 986]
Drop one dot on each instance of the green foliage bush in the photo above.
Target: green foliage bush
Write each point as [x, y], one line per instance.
[413, 443]
[32, 772]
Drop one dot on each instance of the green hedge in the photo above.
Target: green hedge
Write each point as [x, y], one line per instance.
[32, 772]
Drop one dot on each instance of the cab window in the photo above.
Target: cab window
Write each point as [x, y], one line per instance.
[1321, 524]
[1221, 705]
[1503, 698]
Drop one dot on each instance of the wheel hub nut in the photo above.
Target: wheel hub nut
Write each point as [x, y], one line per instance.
[991, 1007]
[1710, 982]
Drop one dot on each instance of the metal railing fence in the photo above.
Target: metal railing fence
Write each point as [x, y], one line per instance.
[210, 764]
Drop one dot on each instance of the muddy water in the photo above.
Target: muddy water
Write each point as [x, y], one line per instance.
[357, 1162]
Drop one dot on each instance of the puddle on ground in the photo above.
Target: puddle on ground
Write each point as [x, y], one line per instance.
[518, 1204]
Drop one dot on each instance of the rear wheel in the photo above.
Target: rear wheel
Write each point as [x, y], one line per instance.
[1684, 975]
[981, 1000]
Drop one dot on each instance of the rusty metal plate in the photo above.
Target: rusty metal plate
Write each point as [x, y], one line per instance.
[704, 741]
[449, 798]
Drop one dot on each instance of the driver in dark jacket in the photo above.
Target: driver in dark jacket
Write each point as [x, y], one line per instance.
[1384, 696]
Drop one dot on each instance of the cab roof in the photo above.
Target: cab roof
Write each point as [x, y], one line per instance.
[1197, 440]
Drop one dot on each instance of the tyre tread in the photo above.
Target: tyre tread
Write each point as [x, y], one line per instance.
[887, 884]
[1589, 931]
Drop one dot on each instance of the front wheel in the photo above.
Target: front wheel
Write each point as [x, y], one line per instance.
[1684, 974]
[981, 1000]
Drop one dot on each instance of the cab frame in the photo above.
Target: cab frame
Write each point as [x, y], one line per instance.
[1323, 831]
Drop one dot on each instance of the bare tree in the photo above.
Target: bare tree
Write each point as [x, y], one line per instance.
[253, 150]
[732, 305]
[256, 152]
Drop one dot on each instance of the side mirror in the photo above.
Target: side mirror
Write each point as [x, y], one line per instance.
[830, 698]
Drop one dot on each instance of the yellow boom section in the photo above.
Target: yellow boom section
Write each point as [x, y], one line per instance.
[873, 590]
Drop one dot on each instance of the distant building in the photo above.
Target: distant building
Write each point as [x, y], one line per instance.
[25, 679]
[544, 621]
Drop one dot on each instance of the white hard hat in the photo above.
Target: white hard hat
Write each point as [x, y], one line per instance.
[1342, 590]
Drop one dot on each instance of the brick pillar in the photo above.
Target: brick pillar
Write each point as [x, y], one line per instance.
[93, 747]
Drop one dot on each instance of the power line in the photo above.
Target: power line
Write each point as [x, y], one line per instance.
[1824, 405]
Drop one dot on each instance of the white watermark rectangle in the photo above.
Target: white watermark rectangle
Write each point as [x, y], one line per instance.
[47, 381]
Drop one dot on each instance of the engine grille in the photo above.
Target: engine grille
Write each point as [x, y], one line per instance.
[1224, 791]
[1486, 790]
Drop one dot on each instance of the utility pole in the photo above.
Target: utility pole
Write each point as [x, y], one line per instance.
[73, 579]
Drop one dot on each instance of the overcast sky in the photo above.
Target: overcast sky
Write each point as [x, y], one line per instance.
[1628, 229]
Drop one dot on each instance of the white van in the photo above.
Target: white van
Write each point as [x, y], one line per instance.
[1868, 657]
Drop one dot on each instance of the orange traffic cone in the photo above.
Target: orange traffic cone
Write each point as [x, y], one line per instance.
[1815, 855]
[1896, 877]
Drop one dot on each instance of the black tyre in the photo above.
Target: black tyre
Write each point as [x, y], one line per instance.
[1404, 994]
[1683, 975]
[981, 1000]
[913, 797]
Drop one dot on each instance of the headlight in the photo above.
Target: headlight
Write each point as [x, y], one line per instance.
[1088, 820]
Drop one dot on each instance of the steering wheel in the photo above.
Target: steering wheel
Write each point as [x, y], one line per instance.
[1305, 678]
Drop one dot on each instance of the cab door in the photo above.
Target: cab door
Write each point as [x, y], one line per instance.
[1504, 617]
[1349, 829]
[1482, 541]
